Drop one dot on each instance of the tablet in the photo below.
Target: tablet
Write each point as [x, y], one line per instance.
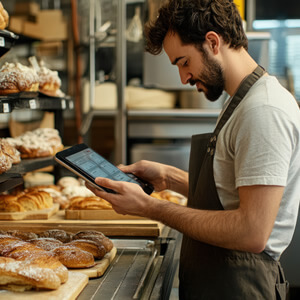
[87, 164]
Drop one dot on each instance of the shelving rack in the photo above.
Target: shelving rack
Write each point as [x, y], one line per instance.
[32, 101]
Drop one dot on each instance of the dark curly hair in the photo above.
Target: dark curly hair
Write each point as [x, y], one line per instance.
[192, 19]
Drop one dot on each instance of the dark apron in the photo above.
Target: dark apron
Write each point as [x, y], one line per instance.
[209, 272]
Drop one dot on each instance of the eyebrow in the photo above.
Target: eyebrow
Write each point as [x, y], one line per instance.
[175, 61]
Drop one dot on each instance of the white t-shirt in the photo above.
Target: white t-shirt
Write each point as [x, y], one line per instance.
[259, 145]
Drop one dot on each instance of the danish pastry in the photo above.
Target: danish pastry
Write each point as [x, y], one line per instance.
[16, 78]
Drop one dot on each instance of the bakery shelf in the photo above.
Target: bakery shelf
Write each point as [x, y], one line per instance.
[7, 41]
[13, 177]
[32, 101]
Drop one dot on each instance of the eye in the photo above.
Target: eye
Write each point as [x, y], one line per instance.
[185, 63]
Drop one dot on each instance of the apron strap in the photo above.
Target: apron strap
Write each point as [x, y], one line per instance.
[238, 97]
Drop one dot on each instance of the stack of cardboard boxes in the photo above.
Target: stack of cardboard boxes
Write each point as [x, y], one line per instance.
[46, 25]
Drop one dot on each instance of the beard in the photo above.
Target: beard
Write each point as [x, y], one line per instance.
[211, 78]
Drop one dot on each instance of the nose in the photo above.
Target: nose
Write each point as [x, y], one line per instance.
[184, 76]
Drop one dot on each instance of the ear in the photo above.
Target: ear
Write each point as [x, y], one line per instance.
[213, 41]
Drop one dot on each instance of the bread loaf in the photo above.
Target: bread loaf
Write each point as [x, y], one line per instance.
[58, 234]
[21, 275]
[47, 244]
[73, 257]
[95, 248]
[95, 236]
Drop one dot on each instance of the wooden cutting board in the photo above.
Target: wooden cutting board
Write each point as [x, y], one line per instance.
[67, 291]
[98, 214]
[101, 265]
[144, 228]
[41, 214]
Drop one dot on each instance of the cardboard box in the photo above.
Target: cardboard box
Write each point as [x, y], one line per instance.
[26, 8]
[49, 16]
[16, 23]
[52, 32]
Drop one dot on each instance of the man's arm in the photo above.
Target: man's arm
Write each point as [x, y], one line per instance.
[246, 228]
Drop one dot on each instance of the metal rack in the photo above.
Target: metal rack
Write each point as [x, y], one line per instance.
[32, 101]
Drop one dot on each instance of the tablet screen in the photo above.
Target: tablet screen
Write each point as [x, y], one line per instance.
[96, 166]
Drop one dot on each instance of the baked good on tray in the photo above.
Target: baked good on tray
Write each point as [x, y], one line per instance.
[49, 81]
[25, 201]
[88, 203]
[17, 78]
[9, 155]
[21, 276]
[4, 17]
[41, 142]
[60, 251]
[74, 257]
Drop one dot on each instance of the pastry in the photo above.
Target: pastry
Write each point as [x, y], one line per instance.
[49, 81]
[40, 142]
[88, 203]
[67, 181]
[10, 151]
[47, 244]
[95, 248]
[16, 78]
[5, 162]
[4, 17]
[73, 257]
[25, 201]
[21, 275]
[58, 234]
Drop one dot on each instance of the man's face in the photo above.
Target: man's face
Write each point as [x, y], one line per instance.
[195, 67]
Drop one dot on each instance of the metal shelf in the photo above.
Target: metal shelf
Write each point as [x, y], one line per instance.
[13, 177]
[7, 41]
[33, 101]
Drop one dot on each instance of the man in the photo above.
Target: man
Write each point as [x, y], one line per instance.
[243, 185]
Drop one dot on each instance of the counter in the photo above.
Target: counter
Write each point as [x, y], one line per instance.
[142, 269]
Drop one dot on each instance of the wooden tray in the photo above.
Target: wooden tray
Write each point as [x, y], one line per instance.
[145, 228]
[101, 265]
[67, 291]
[41, 214]
[98, 214]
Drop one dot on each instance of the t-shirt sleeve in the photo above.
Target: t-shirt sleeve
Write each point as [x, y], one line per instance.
[263, 147]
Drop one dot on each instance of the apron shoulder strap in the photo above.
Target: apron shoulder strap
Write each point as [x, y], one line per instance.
[238, 97]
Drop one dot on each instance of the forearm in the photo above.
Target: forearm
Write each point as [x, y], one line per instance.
[177, 180]
[227, 229]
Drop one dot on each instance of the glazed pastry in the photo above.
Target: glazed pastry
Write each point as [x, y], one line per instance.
[16, 78]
